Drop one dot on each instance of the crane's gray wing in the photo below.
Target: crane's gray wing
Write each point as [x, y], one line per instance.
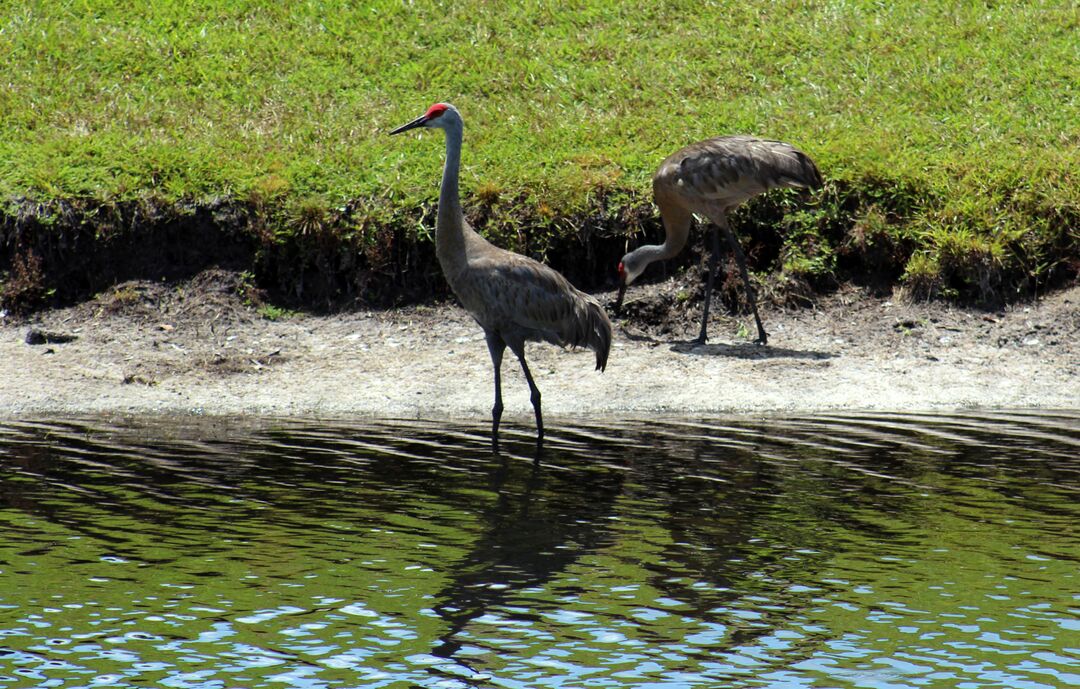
[728, 170]
[520, 297]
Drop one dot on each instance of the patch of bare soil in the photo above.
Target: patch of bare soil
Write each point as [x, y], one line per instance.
[207, 346]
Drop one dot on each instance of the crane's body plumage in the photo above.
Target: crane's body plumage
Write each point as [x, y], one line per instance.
[524, 300]
[512, 297]
[710, 178]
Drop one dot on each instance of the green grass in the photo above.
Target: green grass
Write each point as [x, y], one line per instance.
[951, 129]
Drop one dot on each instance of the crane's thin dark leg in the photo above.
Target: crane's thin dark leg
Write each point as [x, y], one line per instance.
[714, 253]
[740, 258]
[496, 347]
[519, 350]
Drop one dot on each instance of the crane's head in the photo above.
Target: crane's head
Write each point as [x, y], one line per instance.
[630, 267]
[441, 115]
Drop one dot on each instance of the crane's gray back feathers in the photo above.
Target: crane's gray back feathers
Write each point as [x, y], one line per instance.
[728, 170]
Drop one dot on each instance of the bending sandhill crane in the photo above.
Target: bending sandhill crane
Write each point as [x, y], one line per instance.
[710, 178]
[514, 298]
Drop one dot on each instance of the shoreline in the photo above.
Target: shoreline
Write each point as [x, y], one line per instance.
[214, 357]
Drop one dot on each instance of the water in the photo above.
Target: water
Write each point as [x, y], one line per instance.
[862, 550]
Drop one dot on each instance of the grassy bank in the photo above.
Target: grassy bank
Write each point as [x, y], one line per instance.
[948, 131]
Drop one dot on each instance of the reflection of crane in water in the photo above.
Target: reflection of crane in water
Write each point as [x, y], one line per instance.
[542, 523]
[529, 527]
[514, 298]
[710, 178]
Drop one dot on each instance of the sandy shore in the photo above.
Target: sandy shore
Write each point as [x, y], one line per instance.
[161, 352]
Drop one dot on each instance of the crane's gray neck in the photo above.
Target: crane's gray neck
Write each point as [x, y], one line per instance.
[450, 224]
[651, 253]
[449, 197]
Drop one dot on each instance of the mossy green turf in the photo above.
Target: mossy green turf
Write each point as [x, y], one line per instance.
[956, 123]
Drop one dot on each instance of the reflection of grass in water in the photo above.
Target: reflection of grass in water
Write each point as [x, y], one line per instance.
[928, 118]
[954, 549]
[960, 586]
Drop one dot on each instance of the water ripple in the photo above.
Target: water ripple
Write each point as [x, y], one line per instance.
[861, 549]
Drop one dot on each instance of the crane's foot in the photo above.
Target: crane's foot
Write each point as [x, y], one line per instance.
[762, 339]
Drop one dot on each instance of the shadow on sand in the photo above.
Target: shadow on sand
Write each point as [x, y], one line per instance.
[742, 350]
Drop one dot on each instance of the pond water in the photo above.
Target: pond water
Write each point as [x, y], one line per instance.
[856, 550]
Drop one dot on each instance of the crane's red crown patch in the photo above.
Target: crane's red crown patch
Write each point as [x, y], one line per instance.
[435, 111]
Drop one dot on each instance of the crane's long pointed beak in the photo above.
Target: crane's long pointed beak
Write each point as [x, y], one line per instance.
[418, 122]
[619, 299]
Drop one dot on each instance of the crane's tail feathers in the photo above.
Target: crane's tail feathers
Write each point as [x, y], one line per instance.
[813, 174]
[598, 333]
[803, 174]
[591, 328]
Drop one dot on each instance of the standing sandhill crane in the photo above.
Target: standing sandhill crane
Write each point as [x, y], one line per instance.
[710, 178]
[514, 298]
